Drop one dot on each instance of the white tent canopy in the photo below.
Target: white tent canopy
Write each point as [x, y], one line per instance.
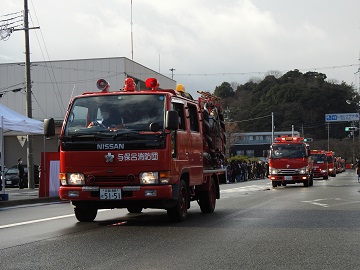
[13, 123]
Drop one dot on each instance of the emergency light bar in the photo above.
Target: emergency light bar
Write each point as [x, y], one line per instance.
[289, 139]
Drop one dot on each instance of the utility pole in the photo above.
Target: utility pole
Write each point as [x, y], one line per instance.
[272, 128]
[328, 133]
[172, 72]
[30, 154]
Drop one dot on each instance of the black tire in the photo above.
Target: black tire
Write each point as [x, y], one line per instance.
[326, 177]
[306, 183]
[207, 200]
[274, 184]
[179, 212]
[134, 209]
[85, 214]
[311, 181]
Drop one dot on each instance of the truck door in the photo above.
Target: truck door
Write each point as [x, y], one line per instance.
[196, 148]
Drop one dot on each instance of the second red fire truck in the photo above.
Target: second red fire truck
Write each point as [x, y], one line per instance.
[290, 162]
[320, 164]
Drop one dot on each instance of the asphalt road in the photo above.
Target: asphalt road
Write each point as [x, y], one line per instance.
[253, 227]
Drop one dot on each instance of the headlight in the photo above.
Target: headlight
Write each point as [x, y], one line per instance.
[72, 179]
[303, 170]
[273, 170]
[148, 178]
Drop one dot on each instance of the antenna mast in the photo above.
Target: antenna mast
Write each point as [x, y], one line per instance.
[132, 43]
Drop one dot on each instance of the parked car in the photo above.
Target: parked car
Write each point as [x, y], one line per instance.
[12, 178]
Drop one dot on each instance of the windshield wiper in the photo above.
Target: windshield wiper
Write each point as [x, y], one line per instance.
[125, 134]
[98, 135]
[78, 137]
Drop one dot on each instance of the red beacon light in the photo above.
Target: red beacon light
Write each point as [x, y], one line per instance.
[129, 84]
[152, 83]
[103, 85]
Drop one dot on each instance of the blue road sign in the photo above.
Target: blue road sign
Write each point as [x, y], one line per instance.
[342, 117]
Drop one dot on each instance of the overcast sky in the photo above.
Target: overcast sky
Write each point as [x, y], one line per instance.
[207, 42]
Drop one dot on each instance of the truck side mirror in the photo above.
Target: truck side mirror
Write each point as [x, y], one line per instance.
[49, 127]
[172, 120]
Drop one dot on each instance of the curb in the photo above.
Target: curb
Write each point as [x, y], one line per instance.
[4, 204]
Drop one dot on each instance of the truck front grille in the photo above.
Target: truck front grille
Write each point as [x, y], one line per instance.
[288, 171]
[118, 178]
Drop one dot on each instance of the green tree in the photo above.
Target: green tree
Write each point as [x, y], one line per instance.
[224, 90]
[295, 99]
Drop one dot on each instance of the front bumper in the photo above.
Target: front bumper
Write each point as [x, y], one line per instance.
[160, 196]
[297, 178]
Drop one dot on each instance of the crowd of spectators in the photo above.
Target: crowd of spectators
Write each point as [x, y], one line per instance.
[240, 171]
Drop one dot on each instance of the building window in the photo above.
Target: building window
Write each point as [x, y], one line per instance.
[240, 153]
[250, 153]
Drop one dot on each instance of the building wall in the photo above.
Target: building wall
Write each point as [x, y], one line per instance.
[253, 144]
[54, 84]
[13, 149]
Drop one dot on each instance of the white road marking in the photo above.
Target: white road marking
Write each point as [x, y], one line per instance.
[245, 188]
[41, 220]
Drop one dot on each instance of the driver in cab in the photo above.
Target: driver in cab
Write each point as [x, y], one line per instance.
[111, 119]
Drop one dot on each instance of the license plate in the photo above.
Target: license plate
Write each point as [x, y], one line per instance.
[8, 182]
[288, 177]
[110, 194]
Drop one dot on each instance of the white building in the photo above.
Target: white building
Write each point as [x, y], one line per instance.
[54, 83]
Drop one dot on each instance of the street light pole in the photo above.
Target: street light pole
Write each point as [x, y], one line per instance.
[353, 148]
[349, 101]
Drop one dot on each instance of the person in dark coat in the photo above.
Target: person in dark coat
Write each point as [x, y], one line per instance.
[21, 173]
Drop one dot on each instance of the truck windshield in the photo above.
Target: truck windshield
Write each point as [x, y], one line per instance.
[112, 113]
[319, 158]
[287, 151]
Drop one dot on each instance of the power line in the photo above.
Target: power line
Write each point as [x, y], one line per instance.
[52, 79]
[263, 72]
[251, 119]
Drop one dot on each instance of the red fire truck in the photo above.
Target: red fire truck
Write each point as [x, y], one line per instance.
[290, 162]
[331, 163]
[320, 164]
[163, 150]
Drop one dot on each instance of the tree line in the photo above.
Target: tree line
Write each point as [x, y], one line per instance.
[296, 99]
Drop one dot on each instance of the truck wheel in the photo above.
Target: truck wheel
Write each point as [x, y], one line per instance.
[325, 177]
[134, 209]
[306, 183]
[85, 214]
[274, 184]
[179, 212]
[207, 200]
